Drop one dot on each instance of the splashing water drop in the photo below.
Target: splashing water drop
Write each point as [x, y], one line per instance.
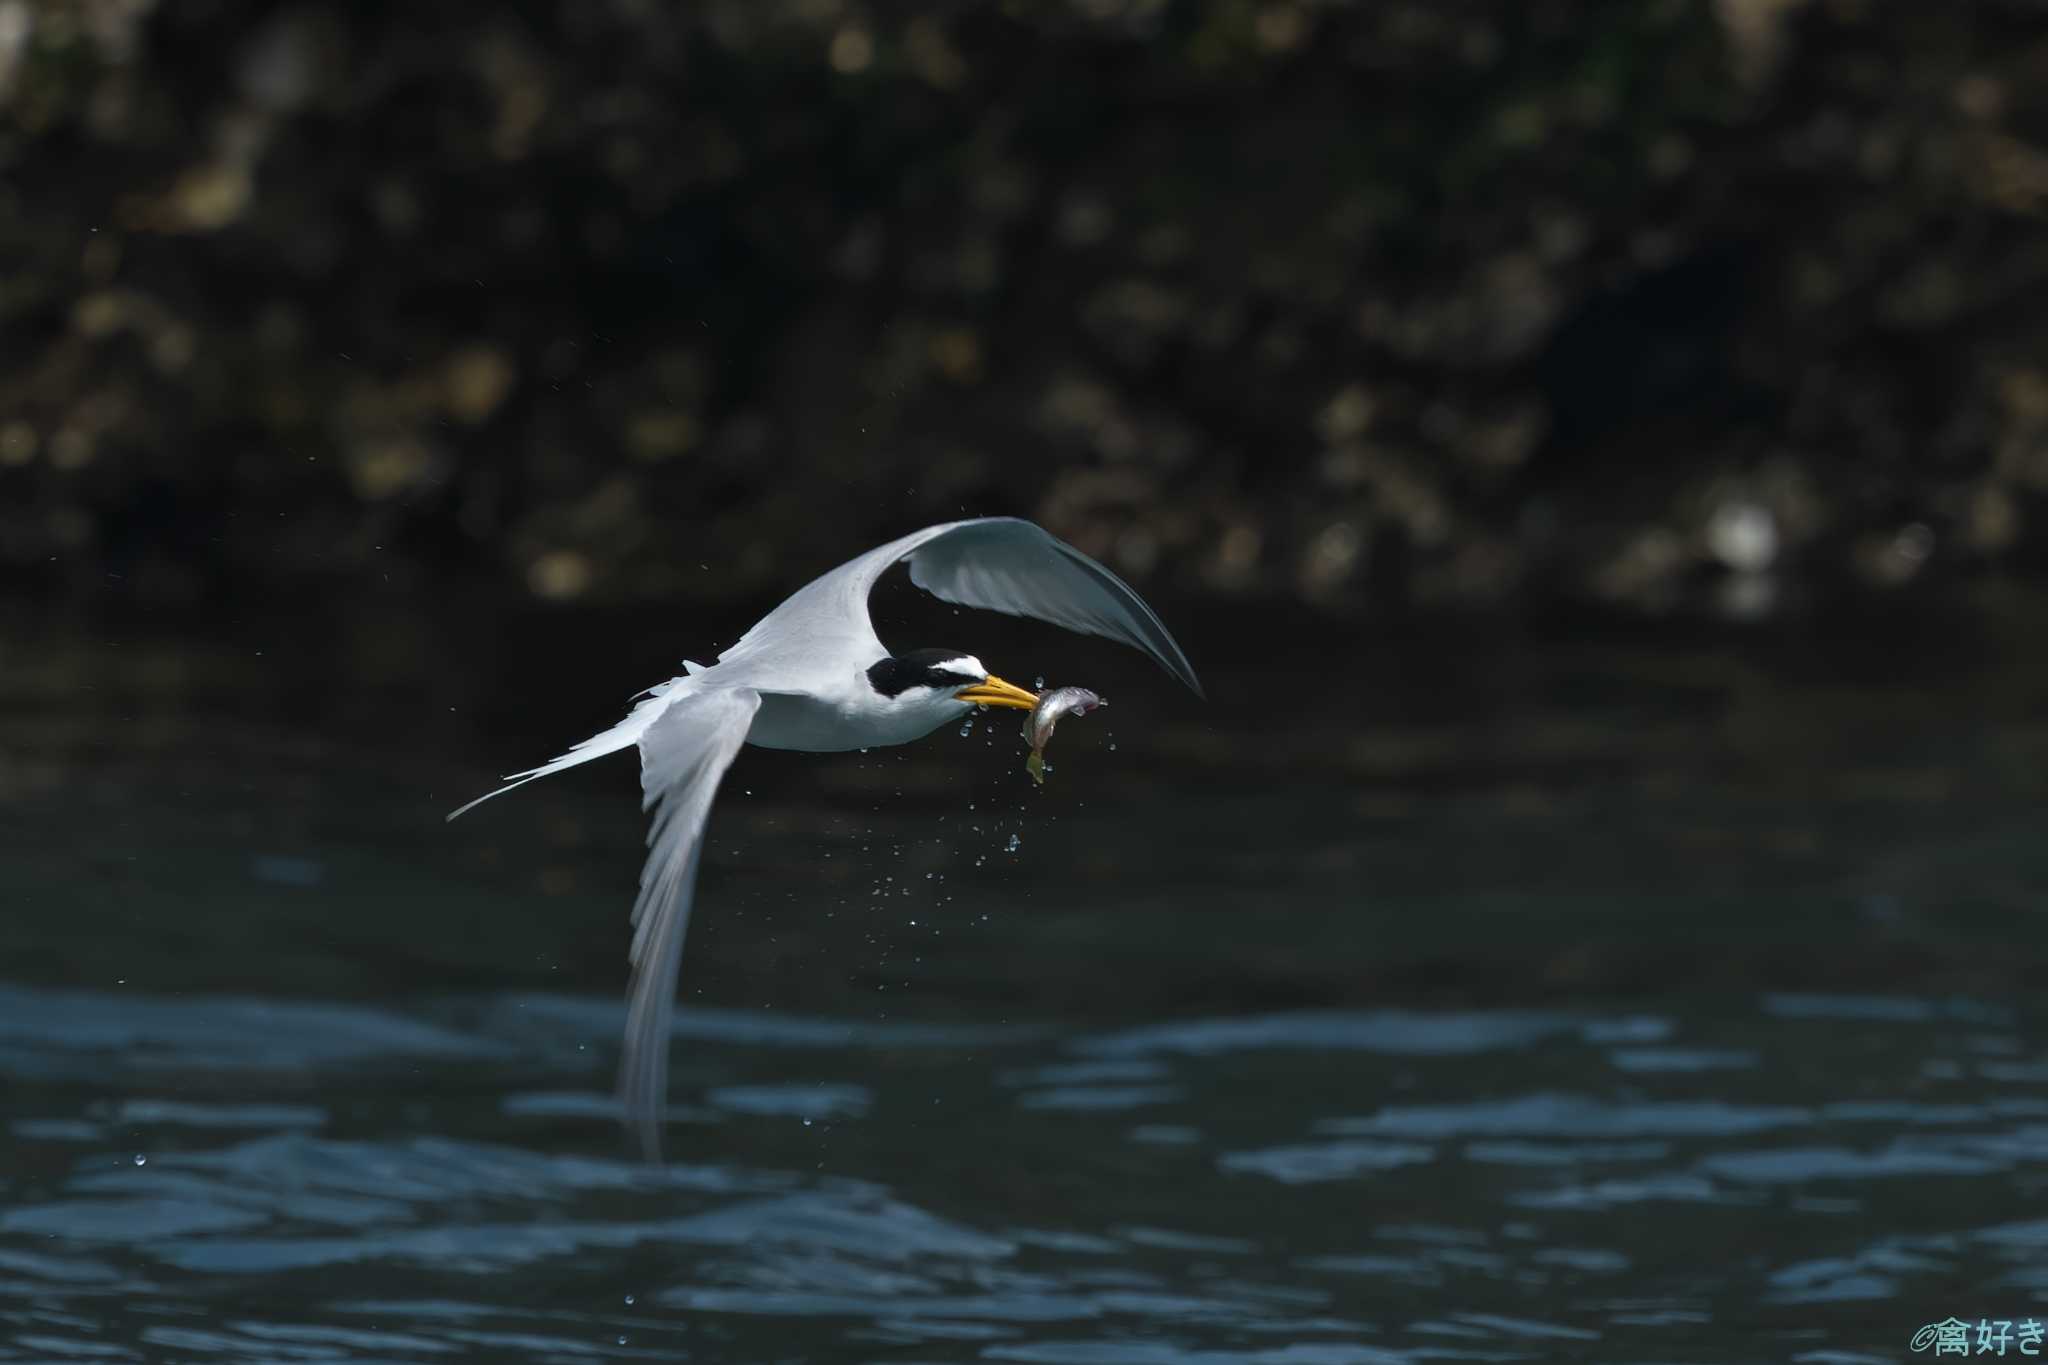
[141, 1160]
[980, 860]
[1013, 845]
[1039, 684]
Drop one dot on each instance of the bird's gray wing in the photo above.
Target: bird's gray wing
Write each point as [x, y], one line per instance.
[1009, 565]
[683, 755]
[997, 563]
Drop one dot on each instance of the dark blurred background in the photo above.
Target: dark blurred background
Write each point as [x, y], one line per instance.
[1589, 450]
[1378, 307]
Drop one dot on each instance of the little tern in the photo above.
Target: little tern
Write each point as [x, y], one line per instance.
[812, 675]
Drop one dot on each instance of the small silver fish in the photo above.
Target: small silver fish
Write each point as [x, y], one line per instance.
[1038, 726]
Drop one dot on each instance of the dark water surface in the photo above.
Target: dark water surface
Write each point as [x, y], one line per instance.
[1582, 999]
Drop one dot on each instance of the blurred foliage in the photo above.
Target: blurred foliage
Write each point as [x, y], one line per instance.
[1405, 304]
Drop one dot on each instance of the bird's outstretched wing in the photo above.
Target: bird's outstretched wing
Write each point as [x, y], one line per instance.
[996, 563]
[683, 756]
[1013, 566]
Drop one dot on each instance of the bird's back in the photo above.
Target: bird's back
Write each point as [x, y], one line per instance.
[820, 632]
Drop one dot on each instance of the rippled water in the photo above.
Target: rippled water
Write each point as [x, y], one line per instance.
[250, 1180]
[1567, 1005]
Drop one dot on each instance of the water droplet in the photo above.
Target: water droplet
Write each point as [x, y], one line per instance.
[807, 1123]
[622, 1338]
[1039, 685]
[980, 860]
[1013, 844]
[966, 728]
[141, 1160]
[1112, 746]
[629, 1300]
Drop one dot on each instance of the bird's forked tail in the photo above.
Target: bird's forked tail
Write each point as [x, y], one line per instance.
[623, 735]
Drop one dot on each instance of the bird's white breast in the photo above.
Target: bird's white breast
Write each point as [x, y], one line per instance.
[828, 725]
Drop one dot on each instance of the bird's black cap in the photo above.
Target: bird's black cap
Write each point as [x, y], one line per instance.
[921, 668]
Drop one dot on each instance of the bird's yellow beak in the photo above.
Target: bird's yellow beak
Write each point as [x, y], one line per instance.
[996, 692]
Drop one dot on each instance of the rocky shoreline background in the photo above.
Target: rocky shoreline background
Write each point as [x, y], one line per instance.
[1734, 307]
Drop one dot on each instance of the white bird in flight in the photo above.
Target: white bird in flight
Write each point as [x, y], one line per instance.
[811, 675]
